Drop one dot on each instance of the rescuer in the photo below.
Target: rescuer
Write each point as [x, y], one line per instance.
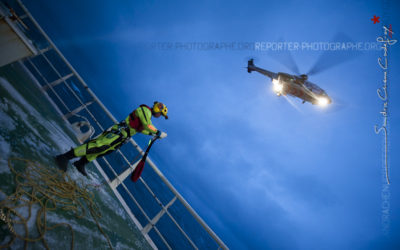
[114, 137]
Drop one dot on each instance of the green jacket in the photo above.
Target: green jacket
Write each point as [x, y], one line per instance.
[140, 121]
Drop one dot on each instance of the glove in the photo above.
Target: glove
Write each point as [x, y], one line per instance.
[161, 135]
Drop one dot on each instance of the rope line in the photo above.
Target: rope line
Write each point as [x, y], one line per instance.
[50, 190]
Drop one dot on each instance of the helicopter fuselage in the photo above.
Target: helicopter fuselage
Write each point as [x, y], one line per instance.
[296, 86]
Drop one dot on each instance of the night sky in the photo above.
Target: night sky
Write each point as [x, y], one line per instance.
[265, 172]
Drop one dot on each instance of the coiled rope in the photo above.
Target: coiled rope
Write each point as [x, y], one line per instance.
[51, 190]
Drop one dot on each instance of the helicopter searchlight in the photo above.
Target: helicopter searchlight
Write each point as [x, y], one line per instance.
[323, 101]
[277, 86]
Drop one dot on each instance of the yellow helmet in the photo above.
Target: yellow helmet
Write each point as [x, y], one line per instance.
[160, 107]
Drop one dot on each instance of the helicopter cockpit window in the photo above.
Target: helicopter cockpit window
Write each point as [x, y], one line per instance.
[314, 88]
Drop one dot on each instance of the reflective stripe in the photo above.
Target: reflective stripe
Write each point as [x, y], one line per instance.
[152, 128]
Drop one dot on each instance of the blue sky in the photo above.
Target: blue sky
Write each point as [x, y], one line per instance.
[261, 172]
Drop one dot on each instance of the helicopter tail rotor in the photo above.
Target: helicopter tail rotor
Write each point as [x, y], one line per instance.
[250, 64]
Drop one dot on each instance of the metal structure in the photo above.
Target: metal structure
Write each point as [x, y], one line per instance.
[117, 180]
[14, 45]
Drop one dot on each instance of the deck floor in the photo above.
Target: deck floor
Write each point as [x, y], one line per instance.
[31, 129]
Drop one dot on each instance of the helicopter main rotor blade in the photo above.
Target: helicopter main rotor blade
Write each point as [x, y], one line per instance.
[331, 58]
[285, 57]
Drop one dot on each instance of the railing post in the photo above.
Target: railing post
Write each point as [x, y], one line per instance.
[77, 110]
[58, 81]
[120, 178]
[156, 218]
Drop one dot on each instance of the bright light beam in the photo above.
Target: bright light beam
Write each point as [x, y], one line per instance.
[323, 101]
[294, 105]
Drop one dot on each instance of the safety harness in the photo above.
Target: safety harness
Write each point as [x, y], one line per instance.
[116, 130]
[134, 122]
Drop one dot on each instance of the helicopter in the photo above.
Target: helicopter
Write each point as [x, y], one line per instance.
[294, 85]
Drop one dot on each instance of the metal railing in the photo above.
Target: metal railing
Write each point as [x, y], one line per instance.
[116, 180]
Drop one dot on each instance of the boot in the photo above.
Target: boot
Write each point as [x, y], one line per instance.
[63, 159]
[80, 165]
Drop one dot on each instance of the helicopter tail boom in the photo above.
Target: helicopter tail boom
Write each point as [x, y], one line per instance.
[251, 67]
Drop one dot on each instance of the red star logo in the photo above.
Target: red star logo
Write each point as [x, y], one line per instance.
[375, 19]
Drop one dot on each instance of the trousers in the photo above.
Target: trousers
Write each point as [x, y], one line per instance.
[107, 142]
